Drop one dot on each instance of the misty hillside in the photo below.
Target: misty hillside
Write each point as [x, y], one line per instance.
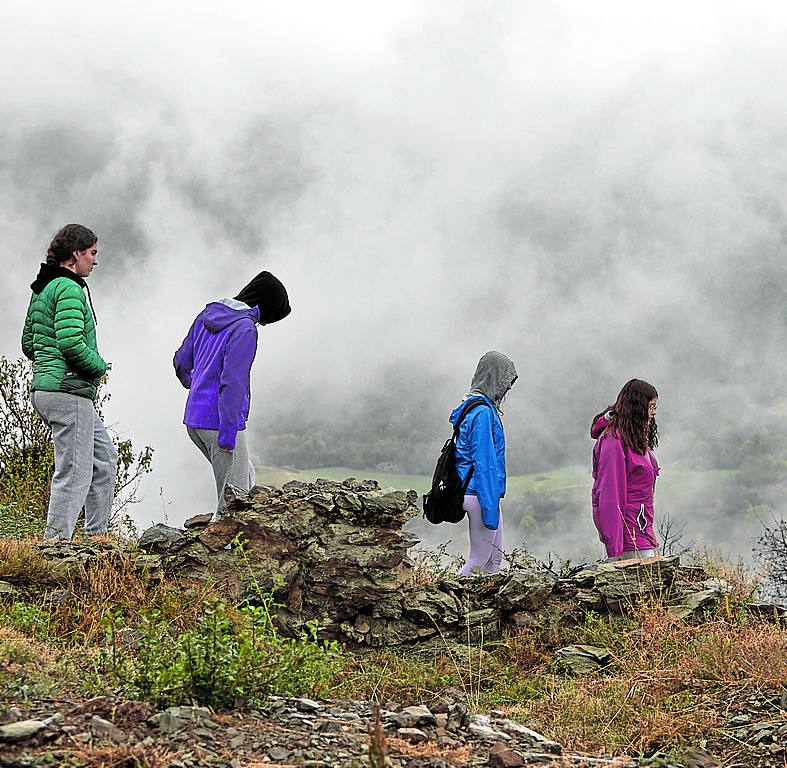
[595, 193]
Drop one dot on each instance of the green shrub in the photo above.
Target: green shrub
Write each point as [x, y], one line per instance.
[232, 657]
[28, 617]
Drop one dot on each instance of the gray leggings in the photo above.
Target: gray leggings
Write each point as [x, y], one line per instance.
[85, 464]
[229, 467]
[634, 554]
[486, 547]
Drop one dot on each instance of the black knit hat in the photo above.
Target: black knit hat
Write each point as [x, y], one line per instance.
[266, 292]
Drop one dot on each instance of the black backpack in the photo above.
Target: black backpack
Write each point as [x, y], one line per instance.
[443, 503]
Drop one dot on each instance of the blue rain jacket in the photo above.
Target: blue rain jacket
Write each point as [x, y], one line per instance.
[482, 444]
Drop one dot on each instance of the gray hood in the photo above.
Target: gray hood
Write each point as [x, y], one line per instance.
[493, 376]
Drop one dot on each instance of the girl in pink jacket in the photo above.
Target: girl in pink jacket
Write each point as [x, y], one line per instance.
[625, 471]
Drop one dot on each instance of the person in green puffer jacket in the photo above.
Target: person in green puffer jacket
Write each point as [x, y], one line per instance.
[59, 336]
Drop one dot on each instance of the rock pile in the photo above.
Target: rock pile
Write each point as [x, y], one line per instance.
[336, 554]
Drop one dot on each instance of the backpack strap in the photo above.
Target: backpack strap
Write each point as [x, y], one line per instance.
[468, 407]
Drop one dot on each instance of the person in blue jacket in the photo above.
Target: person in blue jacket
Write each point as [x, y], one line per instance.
[481, 444]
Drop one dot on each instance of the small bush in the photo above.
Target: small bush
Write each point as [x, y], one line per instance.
[230, 658]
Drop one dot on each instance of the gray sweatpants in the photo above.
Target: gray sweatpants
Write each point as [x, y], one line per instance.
[229, 467]
[85, 464]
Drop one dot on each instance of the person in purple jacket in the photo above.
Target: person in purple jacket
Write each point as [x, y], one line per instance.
[625, 471]
[214, 364]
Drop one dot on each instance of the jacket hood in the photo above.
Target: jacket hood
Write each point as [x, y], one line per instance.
[217, 316]
[454, 417]
[493, 377]
[268, 293]
[49, 272]
[599, 425]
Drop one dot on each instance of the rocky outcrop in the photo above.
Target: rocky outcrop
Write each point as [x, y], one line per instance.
[336, 554]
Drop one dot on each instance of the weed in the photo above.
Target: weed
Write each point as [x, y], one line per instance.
[29, 618]
[377, 743]
[433, 566]
[231, 657]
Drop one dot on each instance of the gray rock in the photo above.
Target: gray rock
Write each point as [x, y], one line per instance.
[771, 611]
[176, 718]
[523, 619]
[278, 753]
[103, 729]
[13, 714]
[22, 729]
[161, 538]
[431, 606]
[7, 589]
[458, 717]
[525, 592]
[695, 603]
[741, 719]
[387, 608]
[533, 738]
[481, 625]
[60, 597]
[307, 705]
[481, 727]
[583, 659]
[622, 584]
[414, 735]
[348, 716]
[410, 717]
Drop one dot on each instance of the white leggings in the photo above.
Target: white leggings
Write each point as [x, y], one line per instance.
[486, 547]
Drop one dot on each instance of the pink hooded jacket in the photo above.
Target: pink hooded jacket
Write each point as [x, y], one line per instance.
[623, 485]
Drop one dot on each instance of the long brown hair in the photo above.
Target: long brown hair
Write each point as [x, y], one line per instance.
[629, 415]
[72, 237]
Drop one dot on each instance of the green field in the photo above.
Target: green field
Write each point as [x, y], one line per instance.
[674, 479]
[518, 485]
[549, 512]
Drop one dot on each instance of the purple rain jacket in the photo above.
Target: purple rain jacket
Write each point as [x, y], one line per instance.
[623, 486]
[214, 364]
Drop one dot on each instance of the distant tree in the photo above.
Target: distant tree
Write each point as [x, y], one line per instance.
[772, 549]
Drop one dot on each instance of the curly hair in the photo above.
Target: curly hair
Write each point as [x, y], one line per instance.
[73, 237]
[629, 415]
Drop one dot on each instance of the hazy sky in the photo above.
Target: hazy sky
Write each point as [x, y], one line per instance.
[597, 190]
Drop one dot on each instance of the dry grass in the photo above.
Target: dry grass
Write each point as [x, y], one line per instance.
[31, 667]
[121, 756]
[666, 685]
[17, 650]
[456, 756]
[21, 562]
[390, 676]
[110, 583]
[113, 583]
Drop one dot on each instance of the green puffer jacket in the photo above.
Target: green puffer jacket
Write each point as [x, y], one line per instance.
[60, 335]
